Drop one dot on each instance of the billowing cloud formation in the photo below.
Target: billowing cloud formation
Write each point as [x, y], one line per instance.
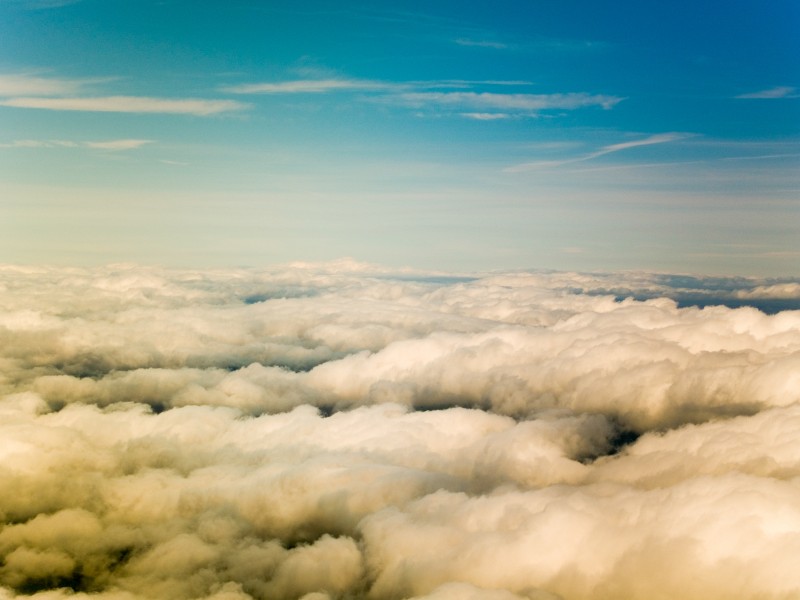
[343, 431]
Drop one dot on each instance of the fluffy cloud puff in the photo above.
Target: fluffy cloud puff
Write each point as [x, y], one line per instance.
[344, 431]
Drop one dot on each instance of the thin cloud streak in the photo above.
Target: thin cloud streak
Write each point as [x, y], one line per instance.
[307, 86]
[660, 138]
[478, 105]
[525, 102]
[129, 104]
[31, 85]
[114, 145]
[481, 43]
[118, 144]
[771, 94]
[332, 85]
[486, 116]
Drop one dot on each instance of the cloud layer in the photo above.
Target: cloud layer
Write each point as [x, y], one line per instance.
[343, 431]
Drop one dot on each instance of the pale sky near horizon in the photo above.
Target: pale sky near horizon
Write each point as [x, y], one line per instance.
[662, 136]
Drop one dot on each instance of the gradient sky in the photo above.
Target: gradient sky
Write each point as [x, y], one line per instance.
[559, 134]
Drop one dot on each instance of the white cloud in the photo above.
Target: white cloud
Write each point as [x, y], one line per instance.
[660, 138]
[481, 43]
[30, 85]
[525, 102]
[118, 144]
[128, 104]
[42, 4]
[28, 144]
[486, 116]
[125, 144]
[417, 94]
[346, 431]
[776, 290]
[772, 93]
[307, 86]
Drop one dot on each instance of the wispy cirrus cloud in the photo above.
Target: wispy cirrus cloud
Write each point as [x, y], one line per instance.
[481, 43]
[324, 85]
[465, 98]
[113, 145]
[128, 104]
[482, 116]
[771, 94]
[307, 86]
[118, 144]
[32, 85]
[53, 93]
[41, 4]
[661, 138]
[523, 102]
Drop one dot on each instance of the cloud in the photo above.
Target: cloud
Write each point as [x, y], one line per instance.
[118, 144]
[525, 102]
[128, 104]
[128, 144]
[307, 86]
[660, 138]
[481, 43]
[42, 4]
[30, 85]
[418, 94]
[343, 430]
[772, 93]
[776, 290]
[486, 116]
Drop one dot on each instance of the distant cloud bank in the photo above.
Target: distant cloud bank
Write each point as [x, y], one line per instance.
[322, 431]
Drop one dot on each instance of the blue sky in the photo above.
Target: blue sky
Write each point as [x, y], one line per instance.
[570, 135]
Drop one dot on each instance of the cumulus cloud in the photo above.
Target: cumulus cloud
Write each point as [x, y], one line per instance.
[347, 431]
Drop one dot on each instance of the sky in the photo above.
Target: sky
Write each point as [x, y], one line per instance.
[662, 136]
